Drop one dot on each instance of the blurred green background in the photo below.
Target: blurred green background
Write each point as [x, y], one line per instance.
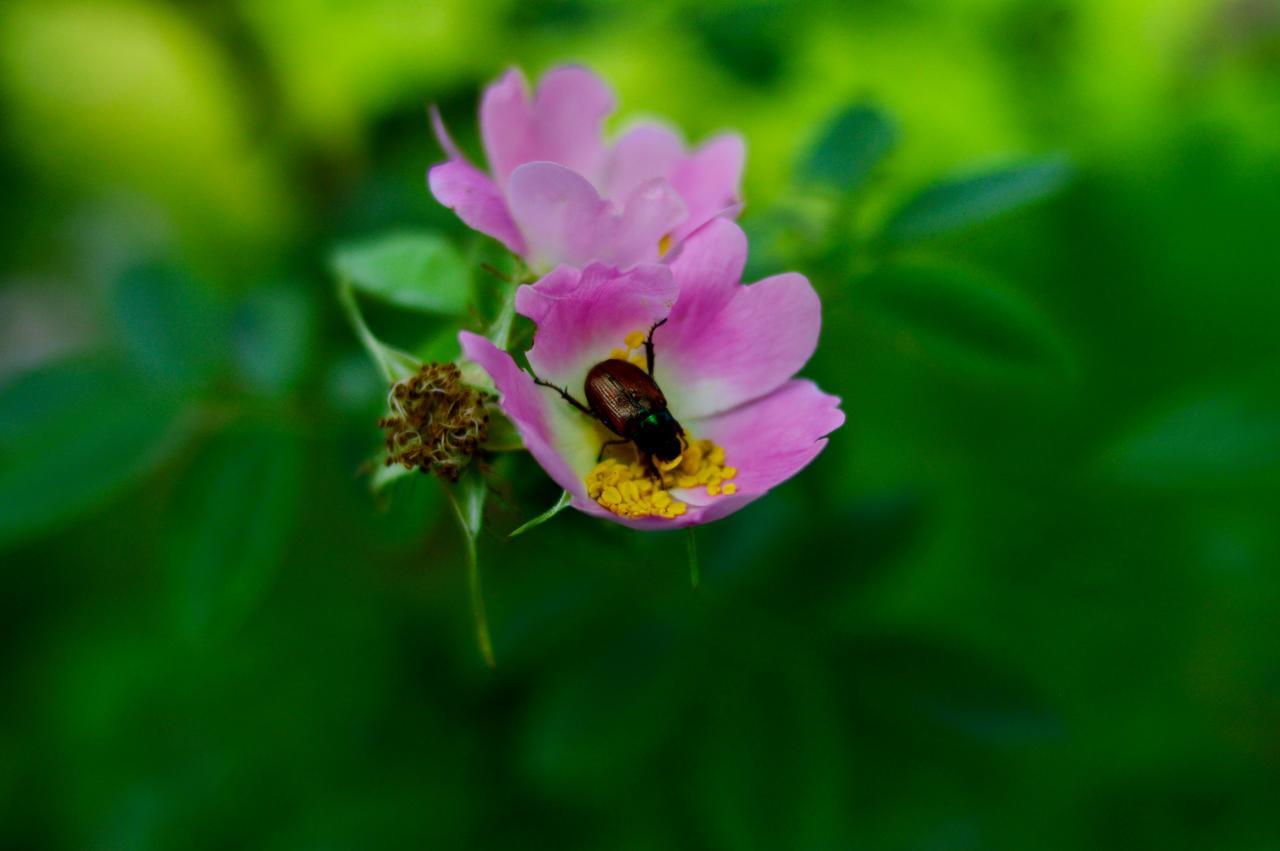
[1025, 599]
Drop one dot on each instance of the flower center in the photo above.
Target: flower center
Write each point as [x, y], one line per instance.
[633, 350]
[629, 490]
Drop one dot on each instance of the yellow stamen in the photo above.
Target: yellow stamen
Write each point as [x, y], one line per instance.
[629, 488]
[668, 466]
[634, 340]
[664, 245]
[640, 360]
[619, 354]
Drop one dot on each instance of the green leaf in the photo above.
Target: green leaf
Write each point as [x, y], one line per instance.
[850, 146]
[961, 201]
[961, 320]
[417, 271]
[227, 534]
[561, 504]
[1220, 439]
[72, 436]
[385, 475]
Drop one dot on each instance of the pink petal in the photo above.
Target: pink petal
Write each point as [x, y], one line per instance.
[724, 343]
[642, 153]
[563, 124]
[708, 269]
[653, 209]
[710, 182]
[469, 192]
[583, 316]
[560, 439]
[768, 441]
[441, 132]
[564, 220]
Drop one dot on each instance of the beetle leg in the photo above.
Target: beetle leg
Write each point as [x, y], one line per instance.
[607, 444]
[648, 343]
[564, 393]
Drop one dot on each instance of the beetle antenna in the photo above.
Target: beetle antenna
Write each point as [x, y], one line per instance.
[648, 343]
[564, 394]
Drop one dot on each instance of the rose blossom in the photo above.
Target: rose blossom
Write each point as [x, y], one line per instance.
[725, 360]
[559, 195]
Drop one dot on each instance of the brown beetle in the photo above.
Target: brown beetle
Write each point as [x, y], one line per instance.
[629, 403]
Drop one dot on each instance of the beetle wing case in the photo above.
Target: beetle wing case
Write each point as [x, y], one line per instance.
[620, 394]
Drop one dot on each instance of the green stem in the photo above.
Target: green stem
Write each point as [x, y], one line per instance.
[347, 298]
[478, 613]
[694, 573]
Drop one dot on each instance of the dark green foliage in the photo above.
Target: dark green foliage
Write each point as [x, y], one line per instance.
[1025, 599]
[848, 148]
[966, 200]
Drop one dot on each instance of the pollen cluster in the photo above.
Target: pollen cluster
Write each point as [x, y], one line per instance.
[436, 423]
[633, 350]
[628, 489]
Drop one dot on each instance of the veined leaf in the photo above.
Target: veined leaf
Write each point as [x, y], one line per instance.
[961, 201]
[1223, 438]
[72, 436]
[417, 271]
[957, 318]
[230, 528]
[850, 146]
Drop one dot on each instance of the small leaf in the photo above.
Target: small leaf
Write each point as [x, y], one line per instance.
[561, 504]
[1224, 438]
[73, 435]
[960, 319]
[850, 146]
[230, 527]
[387, 474]
[967, 200]
[419, 271]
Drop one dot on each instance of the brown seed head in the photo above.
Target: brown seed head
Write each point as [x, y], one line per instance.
[436, 423]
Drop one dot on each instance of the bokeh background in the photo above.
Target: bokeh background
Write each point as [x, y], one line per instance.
[1025, 599]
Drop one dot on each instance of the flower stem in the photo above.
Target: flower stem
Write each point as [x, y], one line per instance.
[394, 363]
[692, 543]
[347, 298]
[468, 521]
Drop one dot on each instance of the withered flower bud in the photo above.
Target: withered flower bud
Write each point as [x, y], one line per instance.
[436, 423]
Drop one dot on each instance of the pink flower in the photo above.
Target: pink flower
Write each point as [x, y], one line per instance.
[558, 194]
[725, 360]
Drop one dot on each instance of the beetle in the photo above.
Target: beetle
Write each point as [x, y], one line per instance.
[628, 402]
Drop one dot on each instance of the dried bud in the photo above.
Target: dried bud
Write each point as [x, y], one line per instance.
[436, 423]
